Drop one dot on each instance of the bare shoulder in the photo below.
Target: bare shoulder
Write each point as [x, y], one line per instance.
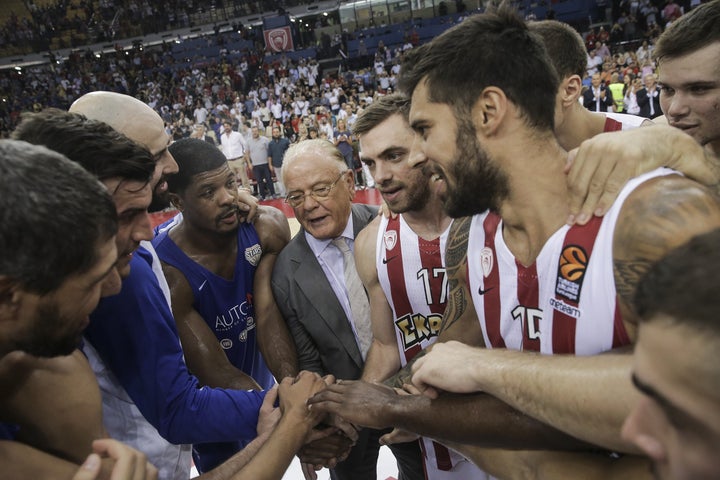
[658, 216]
[273, 229]
[368, 235]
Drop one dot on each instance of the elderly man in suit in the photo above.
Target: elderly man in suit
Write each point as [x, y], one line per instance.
[319, 293]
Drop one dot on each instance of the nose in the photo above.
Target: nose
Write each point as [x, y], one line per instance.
[228, 196]
[143, 228]
[676, 106]
[168, 164]
[416, 156]
[639, 428]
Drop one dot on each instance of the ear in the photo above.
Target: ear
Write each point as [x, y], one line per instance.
[490, 110]
[349, 181]
[176, 201]
[570, 90]
[10, 297]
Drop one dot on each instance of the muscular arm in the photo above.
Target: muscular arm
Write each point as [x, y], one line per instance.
[529, 465]
[273, 336]
[383, 358]
[204, 356]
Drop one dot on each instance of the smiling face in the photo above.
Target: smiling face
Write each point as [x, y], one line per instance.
[210, 202]
[131, 200]
[451, 148]
[385, 150]
[322, 218]
[690, 95]
[676, 423]
[52, 324]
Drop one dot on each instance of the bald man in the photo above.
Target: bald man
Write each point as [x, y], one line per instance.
[150, 400]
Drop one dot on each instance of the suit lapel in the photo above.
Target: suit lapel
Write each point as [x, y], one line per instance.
[312, 281]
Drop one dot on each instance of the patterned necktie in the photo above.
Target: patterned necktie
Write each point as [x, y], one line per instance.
[359, 304]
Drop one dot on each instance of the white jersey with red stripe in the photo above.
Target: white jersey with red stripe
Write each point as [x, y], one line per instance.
[411, 272]
[565, 302]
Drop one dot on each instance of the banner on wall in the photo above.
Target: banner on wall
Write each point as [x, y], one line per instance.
[278, 39]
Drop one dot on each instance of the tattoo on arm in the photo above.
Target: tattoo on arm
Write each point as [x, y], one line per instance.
[405, 374]
[456, 267]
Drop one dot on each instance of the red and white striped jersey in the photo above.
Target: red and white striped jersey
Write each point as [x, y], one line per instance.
[411, 272]
[565, 302]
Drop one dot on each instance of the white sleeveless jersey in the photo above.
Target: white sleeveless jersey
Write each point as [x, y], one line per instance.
[411, 272]
[565, 302]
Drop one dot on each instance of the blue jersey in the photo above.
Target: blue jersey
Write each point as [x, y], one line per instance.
[134, 332]
[225, 305]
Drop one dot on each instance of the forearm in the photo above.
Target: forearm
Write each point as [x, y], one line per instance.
[586, 397]
[381, 363]
[273, 459]
[278, 348]
[234, 465]
[540, 464]
[476, 419]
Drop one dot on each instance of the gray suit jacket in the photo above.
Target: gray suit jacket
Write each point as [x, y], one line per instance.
[324, 339]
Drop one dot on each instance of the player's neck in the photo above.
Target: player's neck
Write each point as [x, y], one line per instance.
[579, 124]
[196, 241]
[537, 204]
[429, 222]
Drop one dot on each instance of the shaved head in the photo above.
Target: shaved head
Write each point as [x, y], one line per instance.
[140, 123]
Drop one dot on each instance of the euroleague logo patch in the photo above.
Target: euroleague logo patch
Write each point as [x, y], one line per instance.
[571, 272]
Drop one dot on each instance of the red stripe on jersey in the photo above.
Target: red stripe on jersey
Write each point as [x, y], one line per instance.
[612, 125]
[491, 285]
[430, 260]
[396, 276]
[564, 325]
[620, 335]
[528, 294]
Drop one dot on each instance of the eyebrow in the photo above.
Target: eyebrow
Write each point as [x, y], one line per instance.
[104, 275]
[674, 413]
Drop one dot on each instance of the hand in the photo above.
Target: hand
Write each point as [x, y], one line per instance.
[248, 204]
[601, 166]
[269, 414]
[294, 394]
[448, 366]
[129, 463]
[398, 436]
[358, 402]
[325, 448]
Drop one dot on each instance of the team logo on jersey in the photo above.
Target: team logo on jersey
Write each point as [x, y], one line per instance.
[390, 239]
[571, 272]
[416, 328]
[486, 261]
[226, 343]
[253, 254]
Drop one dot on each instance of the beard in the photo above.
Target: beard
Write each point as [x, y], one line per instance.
[160, 201]
[479, 185]
[42, 340]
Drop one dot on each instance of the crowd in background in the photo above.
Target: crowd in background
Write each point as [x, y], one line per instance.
[296, 95]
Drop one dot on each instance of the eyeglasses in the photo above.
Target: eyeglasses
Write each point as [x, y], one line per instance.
[318, 193]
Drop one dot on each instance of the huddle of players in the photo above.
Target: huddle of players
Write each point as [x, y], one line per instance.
[518, 279]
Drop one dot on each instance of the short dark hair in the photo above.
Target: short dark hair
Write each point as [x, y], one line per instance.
[193, 156]
[564, 45]
[493, 48]
[379, 111]
[95, 145]
[693, 31]
[53, 215]
[684, 285]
